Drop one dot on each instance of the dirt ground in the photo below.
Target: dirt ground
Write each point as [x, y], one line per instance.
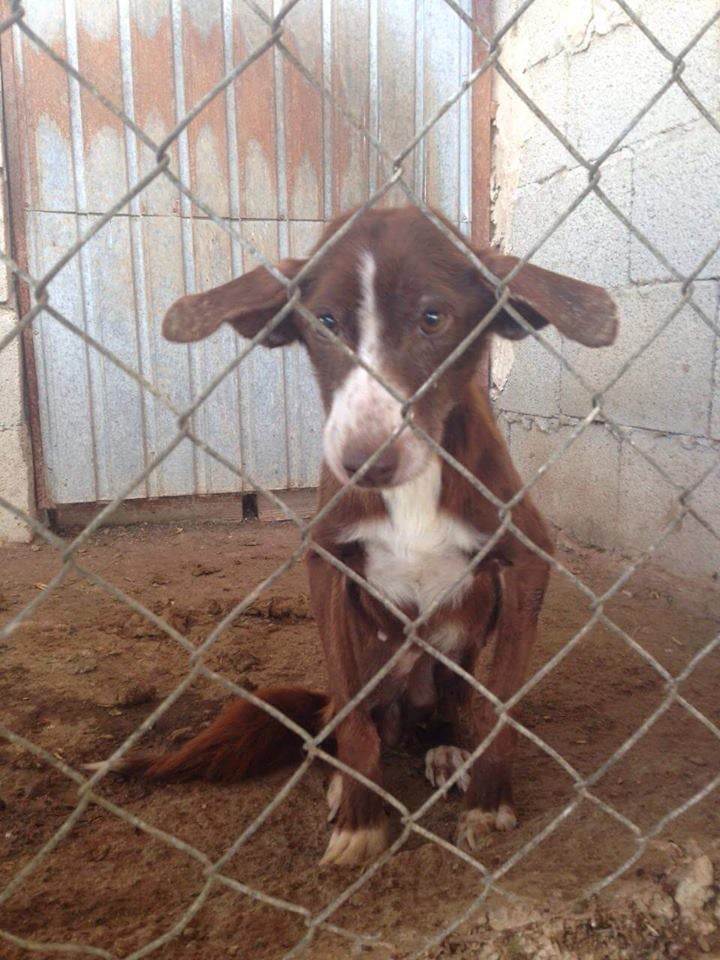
[80, 674]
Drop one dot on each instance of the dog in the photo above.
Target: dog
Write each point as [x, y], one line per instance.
[397, 291]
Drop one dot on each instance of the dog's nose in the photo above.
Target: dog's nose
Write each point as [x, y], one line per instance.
[379, 474]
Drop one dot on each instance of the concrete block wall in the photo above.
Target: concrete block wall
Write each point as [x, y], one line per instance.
[15, 457]
[592, 70]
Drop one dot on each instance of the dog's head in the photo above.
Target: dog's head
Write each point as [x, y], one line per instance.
[403, 297]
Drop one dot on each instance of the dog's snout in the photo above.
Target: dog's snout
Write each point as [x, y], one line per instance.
[379, 474]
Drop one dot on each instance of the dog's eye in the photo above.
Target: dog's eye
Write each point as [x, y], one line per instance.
[433, 321]
[328, 321]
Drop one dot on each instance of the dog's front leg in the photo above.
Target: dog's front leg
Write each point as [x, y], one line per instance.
[489, 798]
[360, 831]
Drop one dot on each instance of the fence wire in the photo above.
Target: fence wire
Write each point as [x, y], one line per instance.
[489, 879]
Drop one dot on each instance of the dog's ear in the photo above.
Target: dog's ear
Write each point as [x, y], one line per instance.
[247, 303]
[579, 310]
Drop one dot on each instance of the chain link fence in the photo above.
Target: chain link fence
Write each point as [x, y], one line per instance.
[488, 879]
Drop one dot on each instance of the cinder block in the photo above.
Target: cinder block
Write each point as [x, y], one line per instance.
[532, 441]
[691, 551]
[551, 29]
[676, 202]
[580, 491]
[668, 387]
[4, 246]
[4, 280]
[591, 243]
[524, 149]
[542, 153]
[611, 81]
[586, 487]
[591, 70]
[676, 25]
[505, 424]
[533, 385]
[15, 473]
[649, 503]
[715, 395]
[502, 10]
[605, 493]
[10, 376]
[14, 484]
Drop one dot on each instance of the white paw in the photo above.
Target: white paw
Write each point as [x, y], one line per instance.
[476, 825]
[334, 795]
[94, 767]
[442, 762]
[347, 848]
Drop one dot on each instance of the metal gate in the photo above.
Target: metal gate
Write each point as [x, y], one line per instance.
[269, 155]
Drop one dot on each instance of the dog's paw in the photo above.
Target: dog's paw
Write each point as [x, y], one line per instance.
[442, 762]
[349, 848]
[334, 795]
[476, 825]
[116, 767]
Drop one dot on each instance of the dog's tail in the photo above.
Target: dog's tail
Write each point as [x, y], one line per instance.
[243, 741]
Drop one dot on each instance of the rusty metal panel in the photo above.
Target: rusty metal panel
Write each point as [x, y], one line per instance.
[163, 363]
[62, 365]
[93, 47]
[262, 381]
[304, 423]
[350, 79]
[268, 155]
[201, 67]
[393, 87]
[148, 95]
[252, 104]
[301, 117]
[46, 105]
[218, 419]
[440, 77]
[116, 400]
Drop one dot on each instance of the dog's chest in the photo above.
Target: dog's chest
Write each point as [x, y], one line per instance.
[418, 554]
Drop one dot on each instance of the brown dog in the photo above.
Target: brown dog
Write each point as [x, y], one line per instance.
[402, 296]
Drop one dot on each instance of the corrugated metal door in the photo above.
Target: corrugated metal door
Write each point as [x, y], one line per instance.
[269, 155]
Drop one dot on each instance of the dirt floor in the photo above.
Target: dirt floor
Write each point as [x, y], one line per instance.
[83, 671]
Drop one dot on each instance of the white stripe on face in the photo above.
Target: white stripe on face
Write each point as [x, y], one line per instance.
[363, 413]
[368, 319]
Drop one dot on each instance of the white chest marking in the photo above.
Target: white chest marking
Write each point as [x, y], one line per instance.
[418, 554]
